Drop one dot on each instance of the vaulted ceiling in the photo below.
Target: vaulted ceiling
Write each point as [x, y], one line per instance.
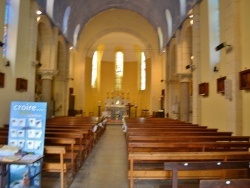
[71, 16]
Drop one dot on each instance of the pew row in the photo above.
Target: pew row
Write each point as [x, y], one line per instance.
[226, 166]
[138, 169]
[228, 183]
[187, 138]
[141, 146]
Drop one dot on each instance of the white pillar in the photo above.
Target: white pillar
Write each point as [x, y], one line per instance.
[47, 77]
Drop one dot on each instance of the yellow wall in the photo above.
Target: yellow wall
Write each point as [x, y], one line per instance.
[216, 110]
[130, 85]
[245, 64]
[214, 106]
[137, 26]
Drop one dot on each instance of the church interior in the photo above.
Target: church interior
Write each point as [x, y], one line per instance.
[123, 61]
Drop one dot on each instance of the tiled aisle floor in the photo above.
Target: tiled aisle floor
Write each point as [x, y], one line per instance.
[107, 165]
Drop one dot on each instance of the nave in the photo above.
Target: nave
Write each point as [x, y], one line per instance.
[106, 166]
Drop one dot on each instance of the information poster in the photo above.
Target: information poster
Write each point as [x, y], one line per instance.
[27, 130]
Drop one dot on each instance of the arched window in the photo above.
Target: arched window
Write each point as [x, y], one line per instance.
[160, 36]
[169, 22]
[66, 20]
[76, 33]
[94, 70]
[183, 7]
[143, 71]
[118, 70]
[6, 22]
[214, 30]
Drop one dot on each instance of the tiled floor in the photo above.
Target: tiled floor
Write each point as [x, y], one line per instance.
[106, 166]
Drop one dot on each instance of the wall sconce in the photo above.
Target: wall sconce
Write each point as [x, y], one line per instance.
[192, 67]
[37, 64]
[216, 69]
[1, 44]
[7, 64]
[222, 45]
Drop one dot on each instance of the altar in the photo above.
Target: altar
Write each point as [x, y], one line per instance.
[116, 108]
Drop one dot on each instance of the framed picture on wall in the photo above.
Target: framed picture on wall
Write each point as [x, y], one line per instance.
[1, 80]
[203, 89]
[245, 79]
[21, 84]
[221, 85]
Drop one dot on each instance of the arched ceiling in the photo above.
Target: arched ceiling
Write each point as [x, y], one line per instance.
[113, 40]
[71, 16]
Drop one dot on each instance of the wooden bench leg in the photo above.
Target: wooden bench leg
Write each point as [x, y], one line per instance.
[175, 179]
[62, 171]
[131, 173]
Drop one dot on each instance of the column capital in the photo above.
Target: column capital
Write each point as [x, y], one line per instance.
[184, 77]
[47, 73]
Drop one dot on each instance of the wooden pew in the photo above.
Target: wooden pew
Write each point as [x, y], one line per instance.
[141, 146]
[69, 155]
[169, 129]
[227, 183]
[180, 134]
[152, 141]
[175, 167]
[88, 136]
[56, 166]
[60, 128]
[56, 151]
[145, 120]
[81, 149]
[76, 122]
[152, 125]
[187, 138]
[136, 158]
[60, 166]
[73, 119]
[77, 136]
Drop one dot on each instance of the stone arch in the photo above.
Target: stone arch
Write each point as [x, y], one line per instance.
[44, 41]
[172, 60]
[173, 89]
[144, 31]
[186, 43]
[60, 82]
[187, 68]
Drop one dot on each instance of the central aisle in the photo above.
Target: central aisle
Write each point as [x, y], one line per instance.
[107, 165]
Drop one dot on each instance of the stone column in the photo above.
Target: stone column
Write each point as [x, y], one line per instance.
[47, 77]
[184, 97]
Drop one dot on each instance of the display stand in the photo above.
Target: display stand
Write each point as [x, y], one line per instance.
[26, 130]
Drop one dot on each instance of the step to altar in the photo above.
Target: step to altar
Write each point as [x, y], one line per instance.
[114, 122]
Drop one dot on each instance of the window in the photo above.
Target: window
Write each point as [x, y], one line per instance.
[94, 70]
[214, 31]
[6, 22]
[169, 22]
[65, 20]
[143, 71]
[118, 70]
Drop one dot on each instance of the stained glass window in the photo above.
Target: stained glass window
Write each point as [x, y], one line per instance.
[94, 70]
[118, 70]
[143, 71]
